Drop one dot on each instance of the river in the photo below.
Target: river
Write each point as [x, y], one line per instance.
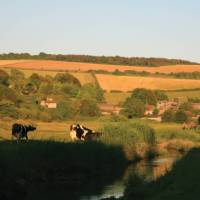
[149, 169]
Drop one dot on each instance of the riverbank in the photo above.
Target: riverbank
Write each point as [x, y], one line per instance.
[52, 166]
[65, 167]
[182, 182]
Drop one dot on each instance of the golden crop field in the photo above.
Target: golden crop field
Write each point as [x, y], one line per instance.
[10, 62]
[128, 83]
[76, 66]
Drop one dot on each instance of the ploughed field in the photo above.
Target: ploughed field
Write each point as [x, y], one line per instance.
[76, 66]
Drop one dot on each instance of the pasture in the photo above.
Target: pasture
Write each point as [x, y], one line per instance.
[183, 95]
[117, 98]
[76, 66]
[55, 131]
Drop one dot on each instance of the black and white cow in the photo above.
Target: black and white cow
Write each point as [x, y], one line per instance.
[79, 132]
[20, 131]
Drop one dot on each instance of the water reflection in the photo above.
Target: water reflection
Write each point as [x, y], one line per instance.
[150, 170]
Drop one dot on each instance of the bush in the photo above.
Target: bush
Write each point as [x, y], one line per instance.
[168, 116]
[89, 108]
[181, 116]
[8, 94]
[144, 95]
[133, 108]
[70, 89]
[66, 78]
[4, 77]
[7, 109]
[91, 91]
[160, 95]
[64, 110]
[136, 138]
[155, 111]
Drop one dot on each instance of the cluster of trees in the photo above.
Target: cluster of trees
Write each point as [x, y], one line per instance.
[20, 96]
[186, 75]
[181, 115]
[179, 75]
[135, 105]
[114, 60]
[194, 100]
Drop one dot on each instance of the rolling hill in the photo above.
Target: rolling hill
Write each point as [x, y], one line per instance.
[77, 66]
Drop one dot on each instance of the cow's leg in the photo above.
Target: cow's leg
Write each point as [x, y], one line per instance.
[12, 138]
[18, 138]
[26, 136]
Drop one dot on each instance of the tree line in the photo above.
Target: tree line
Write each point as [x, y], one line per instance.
[113, 60]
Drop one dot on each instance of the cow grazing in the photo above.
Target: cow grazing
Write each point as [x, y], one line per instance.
[81, 133]
[20, 131]
[189, 125]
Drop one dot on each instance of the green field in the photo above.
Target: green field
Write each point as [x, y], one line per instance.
[116, 98]
[119, 97]
[183, 95]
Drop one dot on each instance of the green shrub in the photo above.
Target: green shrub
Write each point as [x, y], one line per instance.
[133, 108]
[4, 78]
[8, 109]
[168, 116]
[89, 108]
[144, 95]
[181, 116]
[66, 78]
[147, 132]
[64, 110]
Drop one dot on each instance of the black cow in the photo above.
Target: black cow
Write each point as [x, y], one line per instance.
[20, 131]
[79, 132]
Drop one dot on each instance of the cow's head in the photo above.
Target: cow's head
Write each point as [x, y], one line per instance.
[74, 127]
[31, 128]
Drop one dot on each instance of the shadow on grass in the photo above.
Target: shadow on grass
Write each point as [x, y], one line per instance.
[50, 170]
[182, 182]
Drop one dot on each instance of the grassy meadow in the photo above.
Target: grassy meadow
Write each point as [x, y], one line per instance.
[117, 98]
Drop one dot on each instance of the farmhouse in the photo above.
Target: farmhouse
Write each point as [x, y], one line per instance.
[162, 106]
[108, 109]
[196, 106]
[48, 103]
[149, 110]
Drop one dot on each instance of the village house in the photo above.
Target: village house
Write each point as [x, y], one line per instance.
[108, 109]
[196, 106]
[48, 103]
[149, 110]
[162, 106]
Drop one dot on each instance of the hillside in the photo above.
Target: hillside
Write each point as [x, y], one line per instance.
[113, 60]
[76, 66]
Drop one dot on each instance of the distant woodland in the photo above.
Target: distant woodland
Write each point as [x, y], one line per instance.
[113, 60]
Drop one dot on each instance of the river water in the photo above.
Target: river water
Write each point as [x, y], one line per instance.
[149, 169]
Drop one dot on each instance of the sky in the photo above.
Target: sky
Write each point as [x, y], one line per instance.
[143, 28]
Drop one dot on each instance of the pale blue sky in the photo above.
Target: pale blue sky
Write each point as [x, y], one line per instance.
[150, 28]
